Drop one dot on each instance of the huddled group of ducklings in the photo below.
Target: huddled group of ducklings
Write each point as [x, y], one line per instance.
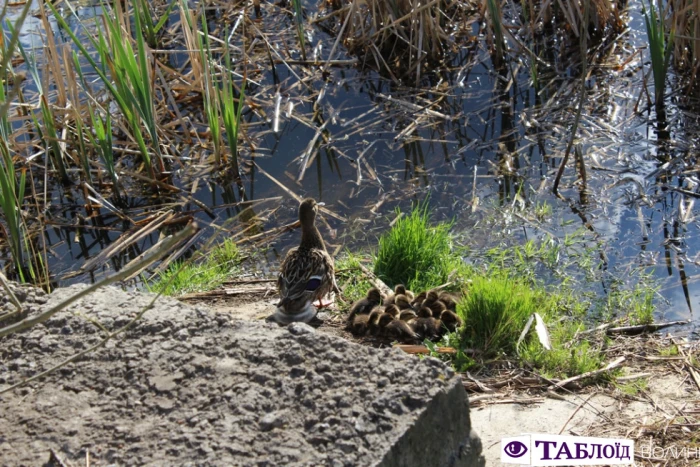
[404, 316]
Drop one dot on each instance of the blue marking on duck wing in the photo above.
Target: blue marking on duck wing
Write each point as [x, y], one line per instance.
[313, 283]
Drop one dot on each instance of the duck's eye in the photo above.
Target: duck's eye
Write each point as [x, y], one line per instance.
[313, 284]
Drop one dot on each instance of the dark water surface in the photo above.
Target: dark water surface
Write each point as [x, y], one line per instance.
[484, 149]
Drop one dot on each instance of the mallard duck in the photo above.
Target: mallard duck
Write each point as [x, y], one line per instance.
[307, 272]
[365, 305]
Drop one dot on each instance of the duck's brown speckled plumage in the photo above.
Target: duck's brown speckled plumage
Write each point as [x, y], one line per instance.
[307, 272]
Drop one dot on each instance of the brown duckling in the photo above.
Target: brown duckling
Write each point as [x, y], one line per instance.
[373, 321]
[384, 320]
[359, 325]
[450, 320]
[449, 300]
[393, 310]
[401, 331]
[398, 290]
[437, 307]
[402, 290]
[402, 302]
[365, 305]
[407, 315]
[425, 325]
[430, 297]
[418, 299]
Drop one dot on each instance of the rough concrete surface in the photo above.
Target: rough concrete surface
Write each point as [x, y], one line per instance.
[189, 386]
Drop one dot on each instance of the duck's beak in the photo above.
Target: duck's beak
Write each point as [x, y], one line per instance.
[321, 204]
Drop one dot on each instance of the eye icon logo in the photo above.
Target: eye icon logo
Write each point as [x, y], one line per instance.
[515, 449]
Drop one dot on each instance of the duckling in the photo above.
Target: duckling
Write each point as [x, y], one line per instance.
[307, 272]
[402, 302]
[425, 325]
[400, 289]
[401, 331]
[418, 299]
[373, 321]
[407, 315]
[384, 320]
[449, 300]
[437, 307]
[365, 305]
[359, 325]
[450, 320]
[430, 297]
[393, 310]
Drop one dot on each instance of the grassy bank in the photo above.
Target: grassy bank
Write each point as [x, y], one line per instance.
[207, 271]
[501, 290]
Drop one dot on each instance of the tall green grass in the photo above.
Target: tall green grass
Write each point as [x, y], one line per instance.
[495, 310]
[660, 48]
[415, 253]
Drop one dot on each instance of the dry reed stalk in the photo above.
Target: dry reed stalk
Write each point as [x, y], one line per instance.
[685, 20]
[403, 36]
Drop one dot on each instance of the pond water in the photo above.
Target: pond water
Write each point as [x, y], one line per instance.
[484, 148]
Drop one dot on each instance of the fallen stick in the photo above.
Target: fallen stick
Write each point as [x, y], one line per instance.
[566, 382]
[225, 293]
[642, 328]
[377, 282]
[423, 350]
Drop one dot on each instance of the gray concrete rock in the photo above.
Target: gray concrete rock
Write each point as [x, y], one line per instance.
[188, 386]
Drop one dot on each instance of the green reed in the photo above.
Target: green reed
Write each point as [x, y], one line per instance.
[299, 22]
[230, 112]
[497, 27]
[660, 48]
[150, 29]
[12, 188]
[130, 84]
[212, 109]
[46, 128]
[13, 180]
[102, 142]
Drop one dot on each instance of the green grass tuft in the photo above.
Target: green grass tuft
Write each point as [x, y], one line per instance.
[219, 264]
[417, 254]
[349, 276]
[495, 310]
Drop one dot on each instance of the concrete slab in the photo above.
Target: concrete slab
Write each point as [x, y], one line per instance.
[189, 386]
